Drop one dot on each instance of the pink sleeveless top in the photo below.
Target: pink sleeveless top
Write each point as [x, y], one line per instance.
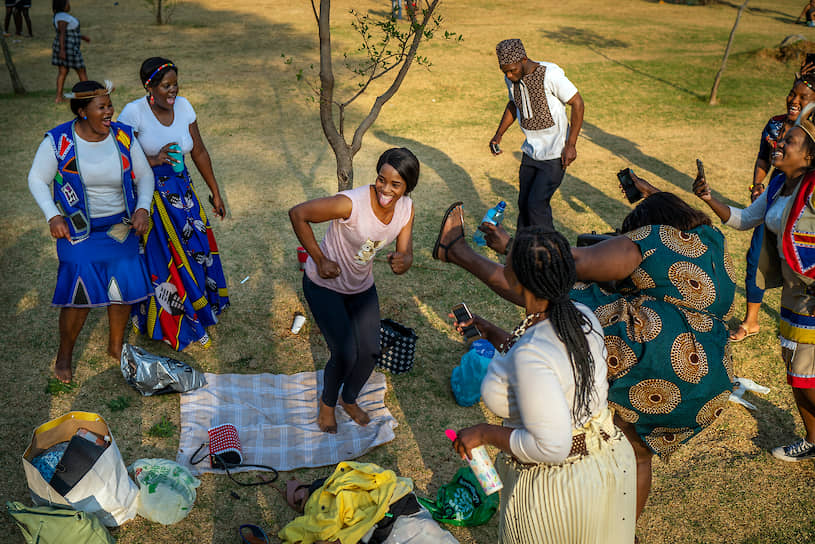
[352, 243]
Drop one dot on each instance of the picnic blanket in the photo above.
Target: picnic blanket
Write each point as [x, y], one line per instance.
[276, 418]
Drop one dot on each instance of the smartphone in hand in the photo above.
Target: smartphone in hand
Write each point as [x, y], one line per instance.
[494, 148]
[627, 183]
[462, 314]
[700, 168]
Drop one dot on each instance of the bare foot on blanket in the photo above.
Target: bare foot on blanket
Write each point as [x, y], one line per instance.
[326, 419]
[357, 414]
[62, 368]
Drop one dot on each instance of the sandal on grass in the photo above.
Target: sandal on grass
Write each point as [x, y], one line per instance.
[297, 494]
[737, 336]
[447, 246]
[252, 534]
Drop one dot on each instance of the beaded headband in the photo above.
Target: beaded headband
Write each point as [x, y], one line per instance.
[159, 69]
[109, 88]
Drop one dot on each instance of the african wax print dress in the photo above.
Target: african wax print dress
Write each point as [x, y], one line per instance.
[669, 363]
[184, 265]
[73, 56]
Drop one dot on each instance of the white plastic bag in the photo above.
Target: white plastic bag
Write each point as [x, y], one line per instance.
[166, 490]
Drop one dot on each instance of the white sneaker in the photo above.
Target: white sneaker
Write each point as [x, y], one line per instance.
[797, 451]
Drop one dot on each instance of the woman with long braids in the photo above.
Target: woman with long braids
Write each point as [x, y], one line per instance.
[787, 261]
[669, 365]
[568, 472]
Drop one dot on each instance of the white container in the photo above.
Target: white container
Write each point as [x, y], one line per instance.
[297, 324]
[484, 470]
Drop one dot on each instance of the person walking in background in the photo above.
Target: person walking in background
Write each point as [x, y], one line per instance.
[92, 182]
[182, 256]
[65, 49]
[18, 9]
[538, 95]
[800, 95]
[338, 282]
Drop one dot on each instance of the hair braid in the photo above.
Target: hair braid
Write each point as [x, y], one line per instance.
[543, 263]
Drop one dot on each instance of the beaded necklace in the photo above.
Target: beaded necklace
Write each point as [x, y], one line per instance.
[519, 331]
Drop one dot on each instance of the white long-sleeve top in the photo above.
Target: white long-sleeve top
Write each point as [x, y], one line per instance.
[757, 213]
[532, 388]
[101, 173]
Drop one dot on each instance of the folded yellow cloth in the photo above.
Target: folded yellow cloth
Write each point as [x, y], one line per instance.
[350, 502]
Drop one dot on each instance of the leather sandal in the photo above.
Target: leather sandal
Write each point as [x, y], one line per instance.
[733, 336]
[438, 245]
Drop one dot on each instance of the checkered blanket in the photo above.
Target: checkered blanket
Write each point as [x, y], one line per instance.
[276, 418]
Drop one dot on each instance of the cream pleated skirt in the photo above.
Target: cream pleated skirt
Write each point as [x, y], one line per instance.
[589, 499]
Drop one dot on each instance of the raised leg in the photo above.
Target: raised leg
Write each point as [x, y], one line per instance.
[71, 321]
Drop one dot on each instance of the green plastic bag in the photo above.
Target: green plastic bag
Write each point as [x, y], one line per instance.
[50, 525]
[462, 502]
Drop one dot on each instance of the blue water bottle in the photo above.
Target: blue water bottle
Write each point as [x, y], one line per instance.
[494, 215]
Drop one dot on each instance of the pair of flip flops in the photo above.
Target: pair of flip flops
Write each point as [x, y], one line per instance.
[252, 534]
[438, 245]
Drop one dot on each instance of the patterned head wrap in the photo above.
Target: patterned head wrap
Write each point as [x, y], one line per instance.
[510, 51]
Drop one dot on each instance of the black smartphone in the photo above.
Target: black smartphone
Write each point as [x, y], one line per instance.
[494, 148]
[810, 58]
[627, 183]
[700, 168]
[463, 314]
[212, 202]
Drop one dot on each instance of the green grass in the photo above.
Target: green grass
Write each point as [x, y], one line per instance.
[644, 69]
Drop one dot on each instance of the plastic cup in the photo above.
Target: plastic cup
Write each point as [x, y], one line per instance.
[297, 324]
[302, 257]
[176, 154]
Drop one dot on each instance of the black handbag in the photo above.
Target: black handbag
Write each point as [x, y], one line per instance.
[397, 344]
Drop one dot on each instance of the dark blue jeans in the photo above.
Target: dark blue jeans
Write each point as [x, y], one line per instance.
[753, 293]
[538, 181]
[350, 326]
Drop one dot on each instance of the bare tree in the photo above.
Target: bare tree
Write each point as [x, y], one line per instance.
[713, 100]
[387, 46]
[16, 82]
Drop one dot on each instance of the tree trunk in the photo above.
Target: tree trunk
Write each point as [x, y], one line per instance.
[159, 18]
[713, 100]
[16, 82]
[345, 168]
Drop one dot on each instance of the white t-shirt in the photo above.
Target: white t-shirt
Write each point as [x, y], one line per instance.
[101, 174]
[73, 22]
[152, 134]
[532, 389]
[548, 143]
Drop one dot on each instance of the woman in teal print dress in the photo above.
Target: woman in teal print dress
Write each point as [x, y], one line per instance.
[669, 363]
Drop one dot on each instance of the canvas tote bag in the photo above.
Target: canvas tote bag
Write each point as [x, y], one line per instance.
[105, 490]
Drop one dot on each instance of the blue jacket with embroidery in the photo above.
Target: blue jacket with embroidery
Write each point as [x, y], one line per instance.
[69, 191]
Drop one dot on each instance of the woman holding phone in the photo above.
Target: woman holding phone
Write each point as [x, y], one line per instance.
[338, 282]
[786, 261]
[182, 256]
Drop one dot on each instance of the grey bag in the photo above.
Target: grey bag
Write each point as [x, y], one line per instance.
[155, 375]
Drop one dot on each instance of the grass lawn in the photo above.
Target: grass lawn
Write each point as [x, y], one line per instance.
[644, 69]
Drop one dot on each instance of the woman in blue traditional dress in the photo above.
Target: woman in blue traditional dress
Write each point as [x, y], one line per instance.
[669, 364]
[182, 256]
[96, 216]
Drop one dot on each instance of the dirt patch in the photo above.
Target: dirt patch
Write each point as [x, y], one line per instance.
[791, 50]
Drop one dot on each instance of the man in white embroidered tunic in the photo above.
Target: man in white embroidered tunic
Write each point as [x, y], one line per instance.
[538, 95]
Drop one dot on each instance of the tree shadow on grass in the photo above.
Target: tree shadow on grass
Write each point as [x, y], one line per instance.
[569, 35]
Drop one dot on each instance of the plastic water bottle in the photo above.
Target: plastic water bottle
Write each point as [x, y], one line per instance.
[482, 467]
[494, 215]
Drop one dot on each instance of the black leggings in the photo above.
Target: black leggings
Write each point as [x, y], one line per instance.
[350, 326]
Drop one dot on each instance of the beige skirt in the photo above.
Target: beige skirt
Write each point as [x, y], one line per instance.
[587, 499]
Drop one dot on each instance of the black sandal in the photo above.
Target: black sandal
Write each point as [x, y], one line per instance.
[446, 247]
